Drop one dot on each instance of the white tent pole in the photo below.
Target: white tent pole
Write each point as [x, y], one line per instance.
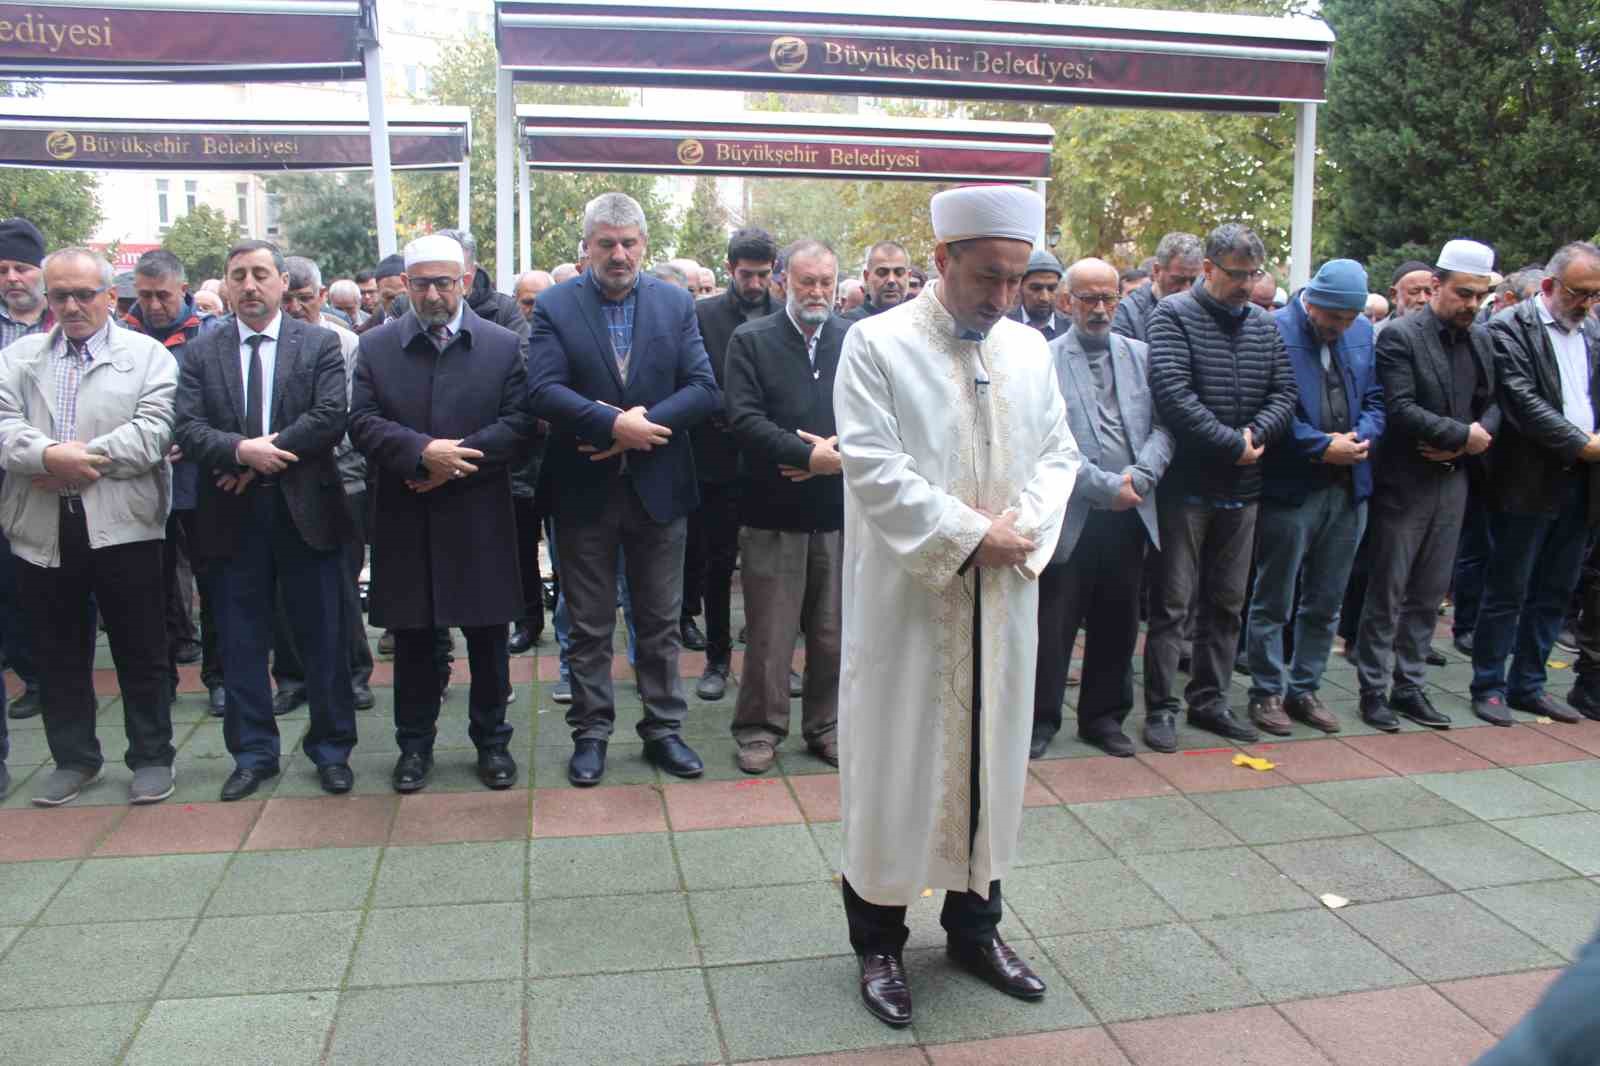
[505, 121]
[378, 131]
[1039, 186]
[464, 195]
[1305, 171]
[524, 212]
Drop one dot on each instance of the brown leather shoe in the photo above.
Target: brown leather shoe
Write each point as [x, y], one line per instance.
[1267, 713]
[826, 749]
[1309, 709]
[756, 757]
[884, 989]
[995, 962]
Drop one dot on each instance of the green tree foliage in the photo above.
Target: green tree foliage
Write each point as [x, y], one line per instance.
[703, 234]
[328, 218]
[1452, 118]
[64, 204]
[200, 240]
[790, 209]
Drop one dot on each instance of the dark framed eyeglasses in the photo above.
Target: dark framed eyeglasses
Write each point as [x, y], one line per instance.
[1586, 296]
[1241, 276]
[1095, 299]
[443, 283]
[60, 297]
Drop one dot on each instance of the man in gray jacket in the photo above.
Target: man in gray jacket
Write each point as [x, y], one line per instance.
[1093, 578]
[85, 424]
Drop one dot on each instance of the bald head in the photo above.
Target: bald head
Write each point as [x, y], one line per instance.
[1093, 288]
[1377, 308]
[529, 285]
[564, 271]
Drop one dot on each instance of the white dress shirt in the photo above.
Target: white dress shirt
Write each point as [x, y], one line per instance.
[1572, 360]
[269, 363]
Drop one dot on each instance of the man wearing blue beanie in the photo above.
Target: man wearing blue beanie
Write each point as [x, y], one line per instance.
[1313, 496]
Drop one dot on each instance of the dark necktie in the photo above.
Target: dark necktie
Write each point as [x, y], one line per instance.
[441, 335]
[253, 399]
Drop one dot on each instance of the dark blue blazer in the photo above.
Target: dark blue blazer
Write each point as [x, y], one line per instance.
[1291, 469]
[572, 375]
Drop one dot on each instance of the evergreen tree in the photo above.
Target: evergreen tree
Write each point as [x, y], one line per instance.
[703, 234]
[328, 218]
[200, 240]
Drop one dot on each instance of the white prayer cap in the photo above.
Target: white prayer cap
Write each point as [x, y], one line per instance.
[1466, 257]
[987, 211]
[434, 248]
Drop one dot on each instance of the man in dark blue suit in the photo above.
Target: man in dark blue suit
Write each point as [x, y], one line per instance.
[618, 369]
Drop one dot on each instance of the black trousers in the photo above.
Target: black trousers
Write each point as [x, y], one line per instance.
[710, 554]
[1096, 589]
[418, 672]
[126, 583]
[177, 579]
[288, 669]
[210, 657]
[876, 929]
[528, 561]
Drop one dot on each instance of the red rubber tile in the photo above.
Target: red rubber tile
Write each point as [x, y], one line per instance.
[1498, 1003]
[1517, 746]
[1418, 753]
[1035, 794]
[886, 1057]
[1254, 1036]
[578, 812]
[323, 822]
[730, 804]
[167, 829]
[1080, 1047]
[450, 817]
[1584, 735]
[63, 833]
[1308, 761]
[1412, 1026]
[1100, 777]
[1211, 771]
[818, 795]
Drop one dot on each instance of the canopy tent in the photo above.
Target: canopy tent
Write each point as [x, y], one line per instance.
[207, 41]
[978, 50]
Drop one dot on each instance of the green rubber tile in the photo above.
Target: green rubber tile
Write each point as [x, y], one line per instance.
[625, 765]
[1144, 973]
[952, 1004]
[1474, 855]
[156, 886]
[1495, 793]
[471, 942]
[609, 934]
[721, 758]
[1219, 883]
[1082, 897]
[1358, 868]
[1381, 803]
[1442, 938]
[1558, 914]
[69, 1036]
[1578, 781]
[762, 924]
[1153, 824]
[206, 741]
[1302, 953]
[200, 781]
[809, 1007]
[298, 776]
[479, 1024]
[795, 761]
[289, 882]
[264, 953]
[55, 966]
[1052, 835]
[451, 873]
[25, 888]
[1573, 839]
[632, 1019]
[744, 858]
[28, 747]
[602, 866]
[262, 1030]
[830, 841]
[1274, 815]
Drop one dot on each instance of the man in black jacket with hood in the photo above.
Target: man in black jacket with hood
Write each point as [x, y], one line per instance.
[486, 302]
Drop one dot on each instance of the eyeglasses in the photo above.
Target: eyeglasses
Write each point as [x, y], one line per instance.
[1240, 276]
[1095, 299]
[59, 297]
[420, 285]
[1583, 296]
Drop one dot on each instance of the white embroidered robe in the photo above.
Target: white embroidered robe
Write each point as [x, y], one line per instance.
[925, 448]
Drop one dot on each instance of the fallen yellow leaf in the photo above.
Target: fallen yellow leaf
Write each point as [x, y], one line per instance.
[1251, 761]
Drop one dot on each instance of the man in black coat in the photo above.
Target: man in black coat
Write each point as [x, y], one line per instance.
[884, 277]
[713, 545]
[779, 398]
[439, 408]
[261, 406]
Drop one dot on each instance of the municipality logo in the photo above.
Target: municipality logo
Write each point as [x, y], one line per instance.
[61, 144]
[788, 54]
[691, 153]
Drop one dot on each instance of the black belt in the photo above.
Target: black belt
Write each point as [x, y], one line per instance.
[72, 504]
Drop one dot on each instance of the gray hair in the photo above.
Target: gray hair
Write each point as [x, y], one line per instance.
[1524, 283]
[672, 273]
[303, 273]
[884, 246]
[1177, 245]
[807, 248]
[1234, 238]
[160, 263]
[345, 288]
[108, 276]
[1568, 254]
[468, 242]
[613, 209]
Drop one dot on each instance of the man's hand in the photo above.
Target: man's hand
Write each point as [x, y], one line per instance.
[1344, 450]
[447, 459]
[72, 462]
[597, 456]
[824, 453]
[235, 483]
[174, 454]
[632, 430]
[1478, 440]
[1003, 546]
[264, 457]
[1438, 455]
[49, 484]
[1591, 451]
[433, 481]
[1251, 453]
[1126, 498]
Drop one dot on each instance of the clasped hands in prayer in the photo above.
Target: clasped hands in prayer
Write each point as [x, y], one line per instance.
[70, 464]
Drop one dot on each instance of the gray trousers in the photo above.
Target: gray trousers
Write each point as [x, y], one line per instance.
[792, 581]
[653, 561]
[1414, 535]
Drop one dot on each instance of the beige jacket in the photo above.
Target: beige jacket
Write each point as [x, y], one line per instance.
[125, 405]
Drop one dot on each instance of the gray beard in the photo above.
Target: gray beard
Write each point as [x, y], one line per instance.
[1094, 342]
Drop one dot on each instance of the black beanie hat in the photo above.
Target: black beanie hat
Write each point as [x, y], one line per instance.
[1410, 266]
[21, 241]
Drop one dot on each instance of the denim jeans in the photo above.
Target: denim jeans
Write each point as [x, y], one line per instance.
[1526, 589]
[1315, 541]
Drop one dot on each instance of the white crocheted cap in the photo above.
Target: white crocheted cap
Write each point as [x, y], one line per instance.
[975, 211]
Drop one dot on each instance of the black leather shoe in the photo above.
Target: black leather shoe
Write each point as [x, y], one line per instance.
[693, 638]
[1434, 658]
[189, 653]
[588, 763]
[496, 768]
[1585, 700]
[1040, 743]
[671, 754]
[336, 778]
[411, 772]
[217, 701]
[244, 781]
[26, 705]
[1161, 731]
[884, 989]
[996, 963]
[1420, 709]
[1545, 706]
[1112, 743]
[1376, 713]
[713, 683]
[287, 699]
[1491, 709]
[363, 698]
[1463, 643]
[1219, 719]
[521, 640]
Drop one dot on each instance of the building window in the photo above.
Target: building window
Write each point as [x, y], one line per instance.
[191, 190]
[241, 191]
[413, 77]
[274, 213]
[163, 208]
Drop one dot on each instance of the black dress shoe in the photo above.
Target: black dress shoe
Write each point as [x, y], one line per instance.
[713, 683]
[244, 781]
[1040, 743]
[1161, 731]
[287, 699]
[1219, 719]
[1545, 706]
[693, 638]
[521, 640]
[588, 763]
[671, 754]
[1112, 743]
[1463, 643]
[411, 772]
[336, 778]
[189, 653]
[1376, 713]
[217, 701]
[996, 963]
[362, 697]
[1586, 700]
[884, 989]
[1434, 658]
[1420, 709]
[496, 768]
[26, 705]
[1491, 709]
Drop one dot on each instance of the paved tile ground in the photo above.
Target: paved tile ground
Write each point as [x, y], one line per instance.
[1172, 903]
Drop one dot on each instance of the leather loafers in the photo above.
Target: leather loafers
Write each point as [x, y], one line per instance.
[336, 778]
[1161, 731]
[1420, 709]
[1491, 709]
[884, 989]
[671, 754]
[1545, 706]
[217, 701]
[521, 640]
[1112, 742]
[1219, 719]
[244, 781]
[1309, 708]
[995, 962]
[411, 771]
[588, 763]
[496, 768]
[1040, 743]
